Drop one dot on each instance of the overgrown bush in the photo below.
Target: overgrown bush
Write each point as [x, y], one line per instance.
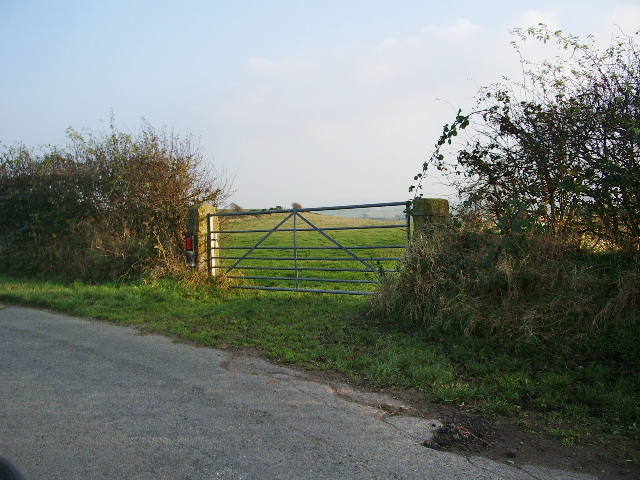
[552, 167]
[471, 280]
[559, 151]
[107, 205]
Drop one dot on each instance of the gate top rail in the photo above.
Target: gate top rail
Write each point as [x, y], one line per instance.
[313, 209]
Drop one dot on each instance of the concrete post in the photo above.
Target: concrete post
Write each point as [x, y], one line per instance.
[202, 228]
[429, 212]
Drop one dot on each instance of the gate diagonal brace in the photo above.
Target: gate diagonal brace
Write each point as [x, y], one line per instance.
[320, 231]
[259, 243]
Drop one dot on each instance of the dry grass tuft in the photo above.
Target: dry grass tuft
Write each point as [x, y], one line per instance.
[476, 282]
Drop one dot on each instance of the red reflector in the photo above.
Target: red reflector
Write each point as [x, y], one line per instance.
[190, 243]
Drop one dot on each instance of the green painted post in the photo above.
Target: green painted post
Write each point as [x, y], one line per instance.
[429, 212]
[201, 226]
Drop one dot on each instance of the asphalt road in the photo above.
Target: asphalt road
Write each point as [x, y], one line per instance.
[82, 399]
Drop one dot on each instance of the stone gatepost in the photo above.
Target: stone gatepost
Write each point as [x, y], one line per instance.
[203, 228]
[429, 212]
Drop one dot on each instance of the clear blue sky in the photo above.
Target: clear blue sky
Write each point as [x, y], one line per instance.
[320, 102]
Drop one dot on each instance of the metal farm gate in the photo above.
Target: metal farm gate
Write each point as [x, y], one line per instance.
[303, 249]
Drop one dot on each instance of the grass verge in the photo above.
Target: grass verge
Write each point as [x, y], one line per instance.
[579, 396]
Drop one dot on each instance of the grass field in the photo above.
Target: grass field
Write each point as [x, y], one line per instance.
[315, 256]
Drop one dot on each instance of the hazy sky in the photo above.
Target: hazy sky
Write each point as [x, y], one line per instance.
[321, 102]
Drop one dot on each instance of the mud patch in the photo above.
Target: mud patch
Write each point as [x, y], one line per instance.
[469, 435]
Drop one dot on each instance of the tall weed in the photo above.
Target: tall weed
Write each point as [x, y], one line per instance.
[472, 281]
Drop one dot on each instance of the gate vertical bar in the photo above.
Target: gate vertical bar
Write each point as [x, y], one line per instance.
[295, 247]
[407, 214]
[212, 245]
